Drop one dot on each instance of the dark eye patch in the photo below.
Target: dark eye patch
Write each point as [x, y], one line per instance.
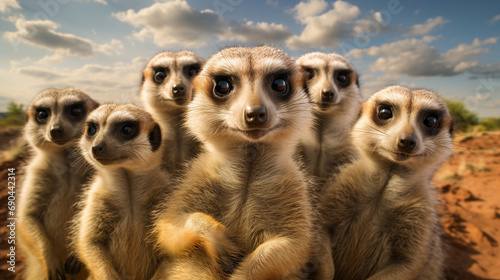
[160, 73]
[192, 69]
[42, 114]
[342, 77]
[383, 112]
[431, 121]
[126, 130]
[75, 111]
[281, 85]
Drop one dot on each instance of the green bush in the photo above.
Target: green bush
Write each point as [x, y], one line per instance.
[15, 115]
[489, 124]
[464, 119]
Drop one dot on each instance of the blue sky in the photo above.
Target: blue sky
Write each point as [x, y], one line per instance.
[101, 46]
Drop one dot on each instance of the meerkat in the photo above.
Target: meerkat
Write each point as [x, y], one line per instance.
[166, 90]
[333, 87]
[381, 210]
[242, 210]
[112, 238]
[55, 176]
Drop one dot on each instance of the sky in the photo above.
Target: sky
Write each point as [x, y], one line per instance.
[101, 46]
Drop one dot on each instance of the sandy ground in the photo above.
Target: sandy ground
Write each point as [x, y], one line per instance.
[469, 184]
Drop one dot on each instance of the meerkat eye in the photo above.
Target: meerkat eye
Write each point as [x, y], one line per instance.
[76, 111]
[160, 75]
[128, 131]
[309, 73]
[91, 129]
[384, 113]
[343, 79]
[279, 85]
[193, 71]
[222, 87]
[431, 121]
[42, 115]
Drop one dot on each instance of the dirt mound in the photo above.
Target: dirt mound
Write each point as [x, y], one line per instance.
[469, 183]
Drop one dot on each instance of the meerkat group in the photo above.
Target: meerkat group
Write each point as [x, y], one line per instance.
[247, 165]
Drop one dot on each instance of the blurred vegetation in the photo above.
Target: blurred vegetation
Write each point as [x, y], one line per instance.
[15, 115]
[467, 121]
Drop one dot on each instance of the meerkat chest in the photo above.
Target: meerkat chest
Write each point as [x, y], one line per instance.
[266, 202]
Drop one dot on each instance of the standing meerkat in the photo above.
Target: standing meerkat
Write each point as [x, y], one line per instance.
[243, 203]
[381, 210]
[333, 87]
[166, 90]
[55, 176]
[112, 237]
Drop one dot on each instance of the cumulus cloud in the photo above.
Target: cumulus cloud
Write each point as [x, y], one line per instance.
[259, 33]
[41, 33]
[7, 5]
[415, 57]
[425, 28]
[495, 19]
[324, 30]
[305, 10]
[174, 23]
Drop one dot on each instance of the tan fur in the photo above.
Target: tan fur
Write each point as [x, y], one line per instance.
[242, 210]
[327, 144]
[381, 210]
[112, 235]
[54, 180]
[168, 110]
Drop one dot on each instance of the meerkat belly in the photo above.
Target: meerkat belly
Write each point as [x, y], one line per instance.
[131, 251]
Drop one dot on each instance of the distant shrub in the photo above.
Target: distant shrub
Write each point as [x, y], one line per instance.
[489, 124]
[15, 115]
[464, 119]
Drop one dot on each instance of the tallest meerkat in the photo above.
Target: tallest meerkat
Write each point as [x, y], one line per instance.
[249, 110]
[166, 90]
[334, 91]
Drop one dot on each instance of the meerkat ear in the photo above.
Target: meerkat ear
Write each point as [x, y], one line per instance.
[155, 137]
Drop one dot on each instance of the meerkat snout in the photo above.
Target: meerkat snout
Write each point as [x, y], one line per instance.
[407, 144]
[256, 116]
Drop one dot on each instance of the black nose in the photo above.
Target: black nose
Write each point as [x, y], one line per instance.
[56, 132]
[98, 149]
[327, 95]
[178, 90]
[407, 144]
[256, 116]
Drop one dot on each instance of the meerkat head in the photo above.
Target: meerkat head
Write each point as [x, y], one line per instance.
[56, 117]
[407, 127]
[167, 79]
[249, 94]
[331, 81]
[121, 136]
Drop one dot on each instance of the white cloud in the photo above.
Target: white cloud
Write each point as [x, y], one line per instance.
[7, 5]
[273, 3]
[324, 30]
[112, 48]
[305, 10]
[414, 57]
[258, 33]
[41, 33]
[427, 27]
[174, 23]
[495, 19]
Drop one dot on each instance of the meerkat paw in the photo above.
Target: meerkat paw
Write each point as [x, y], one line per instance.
[73, 265]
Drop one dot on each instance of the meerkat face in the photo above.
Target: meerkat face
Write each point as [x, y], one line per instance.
[330, 79]
[121, 136]
[56, 117]
[405, 126]
[167, 79]
[249, 94]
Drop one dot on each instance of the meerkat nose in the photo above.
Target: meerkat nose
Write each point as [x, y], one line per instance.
[256, 115]
[178, 90]
[327, 95]
[407, 144]
[56, 132]
[98, 149]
